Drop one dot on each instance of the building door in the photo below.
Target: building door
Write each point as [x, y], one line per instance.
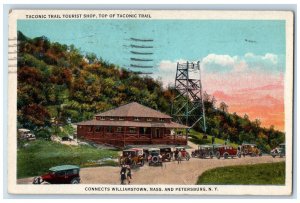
[157, 133]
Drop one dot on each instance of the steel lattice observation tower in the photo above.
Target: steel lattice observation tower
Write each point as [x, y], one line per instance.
[188, 105]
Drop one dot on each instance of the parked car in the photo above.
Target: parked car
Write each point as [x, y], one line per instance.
[64, 174]
[166, 153]
[154, 157]
[203, 152]
[66, 138]
[132, 157]
[185, 155]
[278, 151]
[25, 134]
[250, 149]
[226, 151]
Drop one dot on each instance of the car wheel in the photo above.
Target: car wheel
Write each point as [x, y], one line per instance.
[211, 155]
[239, 155]
[75, 181]
[225, 156]
[142, 162]
[37, 180]
[155, 159]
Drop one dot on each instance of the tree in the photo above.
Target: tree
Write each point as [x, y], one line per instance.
[224, 107]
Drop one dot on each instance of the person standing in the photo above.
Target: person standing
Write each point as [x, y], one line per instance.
[179, 156]
[123, 174]
[129, 175]
[176, 154]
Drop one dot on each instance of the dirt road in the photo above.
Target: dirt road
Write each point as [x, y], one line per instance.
[185, 173]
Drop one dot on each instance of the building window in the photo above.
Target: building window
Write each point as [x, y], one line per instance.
[109, 129]
[161, 119]
[97, 118]
[119, 129]
[132, 130]
[90, 129]
[112, 118]
[121, 119]
[136, 119]
[98, 129]
[102, 118]
[149, 119]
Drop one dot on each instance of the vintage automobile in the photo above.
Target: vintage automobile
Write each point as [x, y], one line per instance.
[64, 174]
[66, 138]
[25, 134]
[166, 153]
[203, 152]
[249, 149]
[132, 157]
[278, 151]
[154, 157]
[226, 151]
[184, 154]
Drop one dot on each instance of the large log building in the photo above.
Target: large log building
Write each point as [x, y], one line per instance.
[132, 124]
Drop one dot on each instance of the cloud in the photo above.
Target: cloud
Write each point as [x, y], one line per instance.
[227, 63]
[222, 63]
[222, 60]
[269, 61]
[268, 57]
[225, 66]
[271, 57]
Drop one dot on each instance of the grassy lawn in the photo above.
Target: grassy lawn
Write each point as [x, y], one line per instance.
[197, 138]
[258, 174]
[38, 156]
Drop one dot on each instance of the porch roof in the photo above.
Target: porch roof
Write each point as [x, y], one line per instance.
[132, 124]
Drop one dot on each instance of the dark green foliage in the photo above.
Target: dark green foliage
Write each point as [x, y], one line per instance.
[257, 174]
[57, 83]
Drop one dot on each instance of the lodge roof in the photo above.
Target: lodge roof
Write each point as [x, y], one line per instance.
[132, 124]
[134, 109]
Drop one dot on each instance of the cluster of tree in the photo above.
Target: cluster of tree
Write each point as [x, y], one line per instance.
[57, 85]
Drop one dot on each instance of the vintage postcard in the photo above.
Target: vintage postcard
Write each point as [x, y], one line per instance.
[150, 102]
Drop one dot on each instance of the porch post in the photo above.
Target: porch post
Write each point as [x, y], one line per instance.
[124, 131]
[174, 134]
[186, 136]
